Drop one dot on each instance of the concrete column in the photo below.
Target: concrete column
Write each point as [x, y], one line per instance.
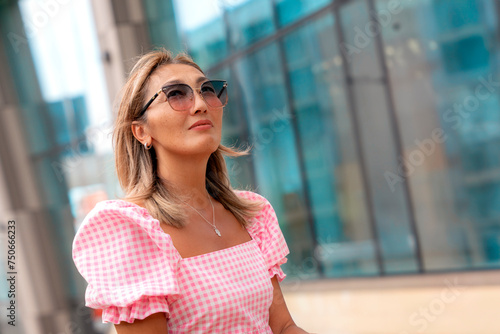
[122, 32]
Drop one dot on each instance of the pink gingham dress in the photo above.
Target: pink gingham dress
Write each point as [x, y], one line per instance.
[133, 270]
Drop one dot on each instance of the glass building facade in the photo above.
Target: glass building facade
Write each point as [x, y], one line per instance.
[374, 127]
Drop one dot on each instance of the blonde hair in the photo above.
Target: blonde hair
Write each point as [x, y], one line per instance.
[136, 167]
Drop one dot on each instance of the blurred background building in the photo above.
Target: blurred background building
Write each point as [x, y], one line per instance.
[375, 129]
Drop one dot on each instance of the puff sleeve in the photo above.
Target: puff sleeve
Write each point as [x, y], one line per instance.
[128, 262]
[265, 230]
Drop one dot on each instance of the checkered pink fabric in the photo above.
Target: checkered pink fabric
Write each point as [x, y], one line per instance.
[133, 271]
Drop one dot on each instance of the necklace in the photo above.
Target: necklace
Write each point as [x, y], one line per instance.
[213, 216]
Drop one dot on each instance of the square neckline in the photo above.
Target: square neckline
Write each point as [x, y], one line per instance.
[145, 211]
[230, 248]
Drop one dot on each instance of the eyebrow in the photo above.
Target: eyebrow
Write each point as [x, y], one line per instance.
[176, 82]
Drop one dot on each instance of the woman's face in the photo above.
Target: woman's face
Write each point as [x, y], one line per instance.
[171, 131]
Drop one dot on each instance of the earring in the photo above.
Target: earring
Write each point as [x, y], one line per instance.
[146, 146]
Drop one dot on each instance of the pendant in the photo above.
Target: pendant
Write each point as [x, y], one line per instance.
[217, 231]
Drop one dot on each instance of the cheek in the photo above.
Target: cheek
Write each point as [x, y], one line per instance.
[168, 127]
[219, 118]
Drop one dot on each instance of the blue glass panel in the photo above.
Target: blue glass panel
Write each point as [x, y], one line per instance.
[292, 10]
[162, 24]
[469, 53]
[80, 118]
[331, 159]
[250, 22]
[207, 44]
[378, 138]
[452, 15]
[443, 67]
[59, 122]
[69, 120]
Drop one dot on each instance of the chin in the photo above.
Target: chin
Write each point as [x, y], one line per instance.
[208, 146]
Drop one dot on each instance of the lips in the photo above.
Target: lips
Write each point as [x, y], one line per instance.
[200, 123]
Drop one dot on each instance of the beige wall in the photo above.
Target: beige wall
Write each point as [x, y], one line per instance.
[457, 303]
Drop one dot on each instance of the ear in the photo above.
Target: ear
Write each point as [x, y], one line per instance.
[140, 132]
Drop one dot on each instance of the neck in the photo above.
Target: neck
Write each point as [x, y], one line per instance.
[186, 178]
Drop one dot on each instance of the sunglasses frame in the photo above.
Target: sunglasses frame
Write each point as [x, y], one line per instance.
[224, 86]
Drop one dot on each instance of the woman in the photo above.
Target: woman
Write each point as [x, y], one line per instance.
[184, 252]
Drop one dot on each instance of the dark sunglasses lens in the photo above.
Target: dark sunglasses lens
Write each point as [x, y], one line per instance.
[215, 93]
[180, 97]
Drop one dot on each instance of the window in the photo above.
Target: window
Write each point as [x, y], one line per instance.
[443, 66]
[331, 160]
[250, 22]
[274, 154]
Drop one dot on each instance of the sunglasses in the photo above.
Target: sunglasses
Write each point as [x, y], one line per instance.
[181, 96]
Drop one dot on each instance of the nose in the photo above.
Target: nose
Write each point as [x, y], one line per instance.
[199, 103]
